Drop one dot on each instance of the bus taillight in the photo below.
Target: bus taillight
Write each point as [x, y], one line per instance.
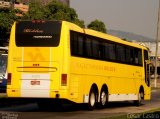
[64, 80]
[9, 78]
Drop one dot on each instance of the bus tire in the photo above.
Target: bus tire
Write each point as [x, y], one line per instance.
[103, 97]
[140, 97]
[92, 100]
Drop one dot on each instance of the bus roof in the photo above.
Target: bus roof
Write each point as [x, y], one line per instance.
[98, 34]
[91, 32]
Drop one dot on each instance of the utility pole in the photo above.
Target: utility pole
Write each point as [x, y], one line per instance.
[157, 41]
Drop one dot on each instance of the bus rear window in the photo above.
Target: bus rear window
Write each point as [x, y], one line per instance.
[38, 33]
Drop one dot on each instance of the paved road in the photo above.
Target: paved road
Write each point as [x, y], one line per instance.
[31, 111]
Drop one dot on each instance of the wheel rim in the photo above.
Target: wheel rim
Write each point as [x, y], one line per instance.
[92, 99]
[103, 98]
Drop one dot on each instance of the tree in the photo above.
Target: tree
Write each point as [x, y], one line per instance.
[36, 12]
[97, 25]
[7, 18]
[52, 11]
[55, 10]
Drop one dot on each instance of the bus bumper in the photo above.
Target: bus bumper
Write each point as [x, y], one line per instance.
[37, 93]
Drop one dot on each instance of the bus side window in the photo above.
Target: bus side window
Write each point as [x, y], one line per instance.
[80, 45]
[147, 68]
[120, 52]
[96, 48]
[106, 51]
[74, 43]
[101, 50]
[132, 59]
[88, 48]
[112, 53]
[109, 51]
[138, 57]
[128, 55]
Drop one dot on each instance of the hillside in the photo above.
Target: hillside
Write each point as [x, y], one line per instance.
[130, 36]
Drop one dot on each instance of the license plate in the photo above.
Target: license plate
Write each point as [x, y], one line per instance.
[35, 82]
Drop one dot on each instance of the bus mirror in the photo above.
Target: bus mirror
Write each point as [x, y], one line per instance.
[152, 69]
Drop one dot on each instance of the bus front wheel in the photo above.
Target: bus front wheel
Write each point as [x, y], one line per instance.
[140, 97]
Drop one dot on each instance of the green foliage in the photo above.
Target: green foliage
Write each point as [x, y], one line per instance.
[7, 18]
[79, 23]
[58, 11]
[97, 25]
[36, 12]
[52, 11]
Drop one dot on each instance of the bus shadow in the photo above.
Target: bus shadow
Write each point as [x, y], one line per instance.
[73, 107]
[31, 105]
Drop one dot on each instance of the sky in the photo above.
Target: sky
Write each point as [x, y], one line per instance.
[136, 16]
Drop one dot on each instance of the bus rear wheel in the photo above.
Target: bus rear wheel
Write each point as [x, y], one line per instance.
[103, 98]
[92, 100]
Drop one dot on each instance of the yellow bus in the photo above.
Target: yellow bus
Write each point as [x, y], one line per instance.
[60, 60]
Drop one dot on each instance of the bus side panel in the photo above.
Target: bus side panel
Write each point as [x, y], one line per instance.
[147, 94]
[117, 77]
[13, 89]
[60, 55]
[80, 86]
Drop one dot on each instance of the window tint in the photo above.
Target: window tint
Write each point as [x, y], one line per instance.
[80, 45]
[145, 55]
[138, 57]
[87, 46]
[74, 43]
[112, 53]
[37, 34]
[132, 59]
[109, 51]
[128, 55]
[96, 48]
[120, 52]
[106, 51]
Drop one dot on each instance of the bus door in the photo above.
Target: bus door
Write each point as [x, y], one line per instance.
[147, 68]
